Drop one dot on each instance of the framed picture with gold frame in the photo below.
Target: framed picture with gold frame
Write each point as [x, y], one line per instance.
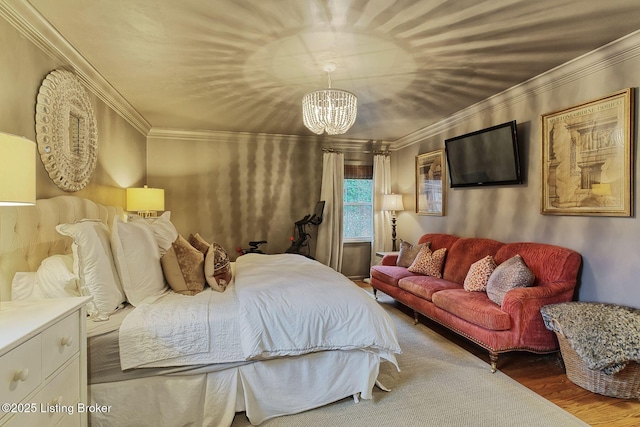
[587, 158]
[431, 187]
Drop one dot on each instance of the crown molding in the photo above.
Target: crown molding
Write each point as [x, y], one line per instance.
[344, 144]
[32, 25]
[604, 57]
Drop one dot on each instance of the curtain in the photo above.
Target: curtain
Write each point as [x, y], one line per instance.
[329, 243]
[381, 219]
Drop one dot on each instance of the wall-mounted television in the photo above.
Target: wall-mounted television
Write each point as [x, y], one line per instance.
[485, 157]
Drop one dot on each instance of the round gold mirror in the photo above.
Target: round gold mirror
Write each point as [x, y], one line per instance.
[66, 130]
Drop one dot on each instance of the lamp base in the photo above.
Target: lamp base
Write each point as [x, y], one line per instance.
[148, 214]
[393, 233]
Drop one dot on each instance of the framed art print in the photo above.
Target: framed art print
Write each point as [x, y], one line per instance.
[430, 183]
[587, 158]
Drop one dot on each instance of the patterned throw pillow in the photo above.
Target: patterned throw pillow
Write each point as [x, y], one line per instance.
[511, 274]
[408, 253]
[217, 268]
[429, 263]
[478, 275]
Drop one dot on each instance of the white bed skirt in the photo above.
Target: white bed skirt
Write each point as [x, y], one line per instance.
[264, 389]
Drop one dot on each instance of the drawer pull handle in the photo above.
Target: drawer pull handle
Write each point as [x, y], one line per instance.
[66, 341]
[21, 375]
[56, 401]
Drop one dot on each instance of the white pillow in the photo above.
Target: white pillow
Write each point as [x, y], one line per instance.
[137, 260]
[55, 277]
[24, 287]
[93, 263]
[163, 230]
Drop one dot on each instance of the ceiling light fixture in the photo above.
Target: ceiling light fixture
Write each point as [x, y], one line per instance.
[330, 110]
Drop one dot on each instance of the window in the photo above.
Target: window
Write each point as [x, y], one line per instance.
[358, 204]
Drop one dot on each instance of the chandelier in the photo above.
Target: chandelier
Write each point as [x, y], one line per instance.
[330, 110]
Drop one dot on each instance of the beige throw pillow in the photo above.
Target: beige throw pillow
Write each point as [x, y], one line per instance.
[429, 263]
[183, 267]
[511, 274]
[408, 253]
[199, 243]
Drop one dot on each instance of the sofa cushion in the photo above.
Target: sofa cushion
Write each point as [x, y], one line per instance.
[408, 253]
[425, 286]
[478, 275]
[438, 240]
[548, 263]
[389, 274]
[474, 307]
[511, 274]
[428, 262]
[466, 251]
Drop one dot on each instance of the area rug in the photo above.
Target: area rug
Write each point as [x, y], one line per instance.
[440, 384]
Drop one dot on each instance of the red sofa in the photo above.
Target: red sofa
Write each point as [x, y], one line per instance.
[517, 324]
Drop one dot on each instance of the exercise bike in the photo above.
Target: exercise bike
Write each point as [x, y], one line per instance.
[254, 248]
[300, 239]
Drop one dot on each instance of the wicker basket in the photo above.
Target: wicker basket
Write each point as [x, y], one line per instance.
[624, 384]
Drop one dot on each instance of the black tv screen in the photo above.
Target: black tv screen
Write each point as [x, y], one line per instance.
[486, 157]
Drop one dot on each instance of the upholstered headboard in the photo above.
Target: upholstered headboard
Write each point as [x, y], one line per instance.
[28, 234]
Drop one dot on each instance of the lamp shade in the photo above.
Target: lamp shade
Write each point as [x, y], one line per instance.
[145, 199]
[392, 202]
[17, 171]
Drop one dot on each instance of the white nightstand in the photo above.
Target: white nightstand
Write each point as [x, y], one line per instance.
[43, 362]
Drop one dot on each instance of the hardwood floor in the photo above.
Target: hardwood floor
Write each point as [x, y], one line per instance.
[545, 375]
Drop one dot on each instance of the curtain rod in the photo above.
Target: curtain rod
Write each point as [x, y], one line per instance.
[330, 150]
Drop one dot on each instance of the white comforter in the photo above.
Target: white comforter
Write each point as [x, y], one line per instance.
[278, 305]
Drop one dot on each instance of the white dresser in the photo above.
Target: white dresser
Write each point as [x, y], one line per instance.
[43, 362]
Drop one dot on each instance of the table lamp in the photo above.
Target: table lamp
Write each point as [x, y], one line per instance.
[392, 202]
[17, 171]
[146, 201]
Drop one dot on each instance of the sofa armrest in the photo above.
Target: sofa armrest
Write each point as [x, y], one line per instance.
[390, 259]
[524, 304]
[550, 293]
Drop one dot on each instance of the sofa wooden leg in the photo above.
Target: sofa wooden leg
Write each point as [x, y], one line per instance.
[493, 357]
[415, 317]
[375, 293]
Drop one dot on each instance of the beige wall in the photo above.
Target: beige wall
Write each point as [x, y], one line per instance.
[121, 148]
[244, 187]
[609, 246]
[237, 188]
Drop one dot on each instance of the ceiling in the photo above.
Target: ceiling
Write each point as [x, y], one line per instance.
[244, 65]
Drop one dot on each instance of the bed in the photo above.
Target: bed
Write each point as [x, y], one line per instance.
[275, 342]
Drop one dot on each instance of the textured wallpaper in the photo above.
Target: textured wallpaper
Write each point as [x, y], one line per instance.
[238, 188]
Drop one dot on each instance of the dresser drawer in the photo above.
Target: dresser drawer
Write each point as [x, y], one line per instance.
[59, 343]
[20, 371]
[56, 403]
